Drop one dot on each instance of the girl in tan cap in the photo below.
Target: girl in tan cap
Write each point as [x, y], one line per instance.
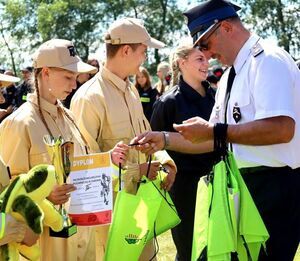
[56, 67]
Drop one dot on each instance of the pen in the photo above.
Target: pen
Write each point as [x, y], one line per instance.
[136, 144]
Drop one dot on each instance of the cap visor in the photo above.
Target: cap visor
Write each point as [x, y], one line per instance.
[204, 33]
[6, 80]
[80, 67]
[153, 43]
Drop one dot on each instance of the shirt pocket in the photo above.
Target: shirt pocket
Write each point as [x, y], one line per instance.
[40, 158]
[241, 104]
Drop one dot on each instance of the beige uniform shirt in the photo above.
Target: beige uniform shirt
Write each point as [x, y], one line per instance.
[22, 147]
[108, 110]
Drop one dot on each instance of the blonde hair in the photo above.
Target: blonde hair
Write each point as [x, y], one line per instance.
[164, 67]
[181, 52]
[37, 71]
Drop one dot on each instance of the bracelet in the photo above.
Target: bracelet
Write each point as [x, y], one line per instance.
[220, 135]
[166, 140]
[2, 225]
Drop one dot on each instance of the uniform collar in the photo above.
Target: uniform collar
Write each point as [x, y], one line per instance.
[188, 91]
[115, 80]
[244, 53]
[45, 105]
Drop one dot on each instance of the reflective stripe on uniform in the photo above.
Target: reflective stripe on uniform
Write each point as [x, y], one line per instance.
[145, 99]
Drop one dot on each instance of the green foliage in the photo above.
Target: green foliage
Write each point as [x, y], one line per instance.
[16, 8]
[32, 22]
[47, 17]
[279, 18]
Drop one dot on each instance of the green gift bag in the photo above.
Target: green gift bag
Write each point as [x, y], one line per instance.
[167, 216]
[252, 231]
[133, 220]
[138, 218]
[220, 231]
[227, 221]
[204, 195]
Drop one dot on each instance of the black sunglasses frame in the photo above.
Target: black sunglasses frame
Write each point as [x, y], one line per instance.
[203, 45]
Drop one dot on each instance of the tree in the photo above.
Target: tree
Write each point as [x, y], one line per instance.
[70, 19]
[280, 18]
[163, 19]
[32, 22]
[39, 21]
[9, 30]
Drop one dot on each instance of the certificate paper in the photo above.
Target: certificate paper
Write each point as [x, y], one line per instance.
[91, 203]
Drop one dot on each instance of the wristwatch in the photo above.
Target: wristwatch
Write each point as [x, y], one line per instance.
[166, 139]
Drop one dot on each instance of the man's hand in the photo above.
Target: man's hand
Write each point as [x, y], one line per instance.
[61, 194]
[155, 166]
[119, 153]
[169, 180]
[149, 142]
[195, 130]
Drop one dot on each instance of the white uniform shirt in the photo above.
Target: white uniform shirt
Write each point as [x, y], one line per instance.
[267, 84]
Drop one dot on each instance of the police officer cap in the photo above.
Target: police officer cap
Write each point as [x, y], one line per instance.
[203, 17]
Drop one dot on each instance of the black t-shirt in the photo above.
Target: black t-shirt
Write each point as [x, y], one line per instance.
[148, 97]
[21, 94]
[178, 104]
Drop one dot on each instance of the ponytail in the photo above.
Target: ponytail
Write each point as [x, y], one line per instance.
[181, 52]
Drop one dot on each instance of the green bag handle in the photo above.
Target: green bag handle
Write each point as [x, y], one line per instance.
[156, 245]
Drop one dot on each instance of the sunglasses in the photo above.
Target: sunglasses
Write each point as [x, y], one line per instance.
[203, 44]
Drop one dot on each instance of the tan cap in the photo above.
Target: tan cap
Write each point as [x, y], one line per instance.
[6, 80]
[131, 31]
[60, 53]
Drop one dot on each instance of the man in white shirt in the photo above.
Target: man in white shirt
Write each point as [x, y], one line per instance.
[258, 114]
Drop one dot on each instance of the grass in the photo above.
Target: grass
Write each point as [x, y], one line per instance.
[167, 249]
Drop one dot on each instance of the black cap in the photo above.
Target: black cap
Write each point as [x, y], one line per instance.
[28, 68]
[204, 16]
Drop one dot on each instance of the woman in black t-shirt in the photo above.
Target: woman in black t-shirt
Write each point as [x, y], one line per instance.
[148, 95]
[190, 96]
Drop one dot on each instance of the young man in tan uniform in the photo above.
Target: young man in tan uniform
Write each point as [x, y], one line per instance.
[108, 109]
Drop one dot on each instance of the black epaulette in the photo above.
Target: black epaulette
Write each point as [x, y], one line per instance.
[256, 50]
